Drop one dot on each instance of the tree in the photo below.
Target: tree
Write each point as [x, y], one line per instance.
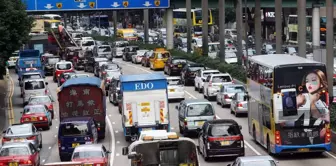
[230, 15]
[15, 26]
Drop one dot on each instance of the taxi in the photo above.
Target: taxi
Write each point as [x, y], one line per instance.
[46, 100]
[38, 115]
[17, 154]
[61, 67]
[159, 58]
[127, 34]
[95, 154]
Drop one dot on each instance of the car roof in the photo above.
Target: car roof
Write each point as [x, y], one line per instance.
[221, 74]
[35, 105]
[104, 45]
[255, 158]
[63, 62]
[233, 85]
[39, 96]
[33, 79]
[21, 124]
[173, 78]
[210, 70]
[93, 81]
[16, 144]
[196, 101]
[176, 57]
[221, 121]
[32, 73]
[89, 147]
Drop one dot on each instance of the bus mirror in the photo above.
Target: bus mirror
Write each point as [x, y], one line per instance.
[134, 156]
[125, 151]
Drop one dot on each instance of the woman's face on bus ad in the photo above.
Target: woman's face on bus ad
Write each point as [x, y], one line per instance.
[313, 82]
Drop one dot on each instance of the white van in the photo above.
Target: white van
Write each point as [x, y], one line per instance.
[34, 87]
[87, 44]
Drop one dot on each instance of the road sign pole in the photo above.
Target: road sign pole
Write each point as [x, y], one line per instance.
[257, 26]
[189, 25]
[170, 28]
[222, 29]
[239, 25]
[330, 45]
[278, 26]
[115, 23]
[146, 25]
[302, 27]
[205, 27]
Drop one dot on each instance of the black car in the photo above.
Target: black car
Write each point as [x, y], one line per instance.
[91, 62]
[188, 73]
[128, 52]
[174, 65]
[221, 137]
[49, 64]
[63, 77]
[114, 91]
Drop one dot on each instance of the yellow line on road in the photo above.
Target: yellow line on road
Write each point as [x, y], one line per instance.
[11, 110]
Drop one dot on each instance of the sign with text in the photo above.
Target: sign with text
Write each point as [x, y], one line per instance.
[144, 85]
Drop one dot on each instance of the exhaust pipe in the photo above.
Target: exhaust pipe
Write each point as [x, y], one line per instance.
[133, 138]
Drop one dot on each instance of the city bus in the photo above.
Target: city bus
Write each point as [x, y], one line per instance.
[292, 30]
[288, 103]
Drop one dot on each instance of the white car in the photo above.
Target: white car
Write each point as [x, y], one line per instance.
[12, 61]
[34, 87]
[201, 75]
[231, 58]
[136, 58]
[175, 88]
[213, 83]
[118, 47]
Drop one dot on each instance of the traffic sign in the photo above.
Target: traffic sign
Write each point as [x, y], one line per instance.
[73, 5]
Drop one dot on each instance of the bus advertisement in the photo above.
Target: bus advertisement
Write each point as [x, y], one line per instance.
[288, 104]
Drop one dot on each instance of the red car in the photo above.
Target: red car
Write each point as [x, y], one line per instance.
[46, 100]
[15, 154]
[38, 115]
[61, 67]
[94, 154]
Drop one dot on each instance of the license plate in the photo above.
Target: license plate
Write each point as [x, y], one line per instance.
[13, 164]
[33, 119]
[88, 164]
[19, 139]
[179, 65]
[200, 123]
[303, 150]
[172, 90]
[146, 129]
[75, 145]
[223, 143]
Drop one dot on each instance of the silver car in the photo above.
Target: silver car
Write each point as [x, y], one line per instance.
[22, 133]
[254, 160]
[239, 104]
[224, 96]
[79, 75]
[193, 113]
[136, 58]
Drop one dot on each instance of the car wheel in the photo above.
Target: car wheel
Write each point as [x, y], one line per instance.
[169, 72]
[48, 127]
[41, 144]
[51, 123]
[268, 146]
[52, 115]
[110, 99]
[200, 90]
[142, 64]
[196, 88]
[205, 155]
[54, 79]
[180, 129]
[222, 104]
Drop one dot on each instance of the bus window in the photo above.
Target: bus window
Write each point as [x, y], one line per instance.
[180, 15]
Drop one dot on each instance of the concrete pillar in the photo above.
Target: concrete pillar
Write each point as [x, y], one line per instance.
[302, 27]
[278, 25]
[221, 7]
[170, 28]
[189, 25]
[65, 16]
[146, 25]
[115, 23]
[316, 26]
[239, 23]
[330, 45]
[205, 27]
[257, 26]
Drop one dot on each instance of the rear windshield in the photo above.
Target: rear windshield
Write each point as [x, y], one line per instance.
[176, 61]
[32, 76]
[121, 44]
[133, 49]
[70, 129]
[79, 75]
[14, 151]
[88, 43]
[87, 154]
[104, 48]
[209, 73]
[64, 66]
[28, 110]
[38, 100]
[20, 129]
[174, 82]
[241, 97]
[102, 63]
[224, 130]
[53, 61]
[217, 79]
[196, 68]
[112, 67]
[114, 74]
[68, 75]
[200, 110]
[260, 163]
[34, 85]
[163, 55]
[235, 89]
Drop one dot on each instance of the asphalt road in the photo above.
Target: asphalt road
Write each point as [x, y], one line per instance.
[115, 140]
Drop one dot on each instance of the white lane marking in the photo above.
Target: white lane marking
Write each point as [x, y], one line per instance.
[331, 155]
[55, 136]
[246, 143]
[43, 161]
[118, 142]
[112, 141]
[49, 147]
[117, 154]
[56, 127]
[172, 128]
[110, 115]
[116, 131]
[113, 122]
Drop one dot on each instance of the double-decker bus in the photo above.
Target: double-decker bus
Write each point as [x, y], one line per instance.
[288, 104]
[180, 20]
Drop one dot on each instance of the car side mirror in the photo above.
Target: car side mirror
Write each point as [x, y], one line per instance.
[228, 165]
[134, 156]
[19, 79]
[176, 107]
[203, 79]
[125, 151]
[240, 127]
[108, 152]
[4, 132]
[46, 83]
[38, 149]
[21, 112]
[21, 85]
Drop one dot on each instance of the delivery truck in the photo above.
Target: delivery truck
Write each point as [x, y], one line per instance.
[84, 97]
[144, 104]
[29, 60]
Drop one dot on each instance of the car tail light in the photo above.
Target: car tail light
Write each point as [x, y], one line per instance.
[239, 105]
[328, 136]
[25, 162]
[277, 138]
[226, 97]
[59, 143]
[21, 120]
[210, 84]
[31, 138]
[51, 107]
[171, 65]
[46, 91]
[5, 139]
[62, 80]
[185, 122]
[91, 139]
[104, 72]
[108, 81]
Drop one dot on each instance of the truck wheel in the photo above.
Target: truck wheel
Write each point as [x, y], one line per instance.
[127, 138]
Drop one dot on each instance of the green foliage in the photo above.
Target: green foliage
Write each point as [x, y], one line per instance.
[15, 26]
[230, 15]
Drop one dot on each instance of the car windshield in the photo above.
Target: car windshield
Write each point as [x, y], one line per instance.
[195, 68]
[38, 100]
[88, 43]
[53, 61]
[206, 74]
[14, 151]
[241, 97]
[124, 44]
[217, 79]
[33, 76]
[234, 32]
[33, 110]
[112, 67]
[259, 163]
[64, 66]
[19, 130]
[176, 61]
[129, 35]
[163, 55]
[200, 110]
[224, 130]
[68, 75]
[104, 49]
[70, 129]
[87, 154]
[174, 81]
[235, 89]
[33, 85]
[102, 63]
[111, 74]
[230, 55]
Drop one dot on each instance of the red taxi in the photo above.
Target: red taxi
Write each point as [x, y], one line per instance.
[93, 154]
[15, 154]
[46, 100]
[61, 67]
[38, 115]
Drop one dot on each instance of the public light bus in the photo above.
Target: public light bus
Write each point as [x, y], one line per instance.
[288, 104]
[180, 20]
[292, 30]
